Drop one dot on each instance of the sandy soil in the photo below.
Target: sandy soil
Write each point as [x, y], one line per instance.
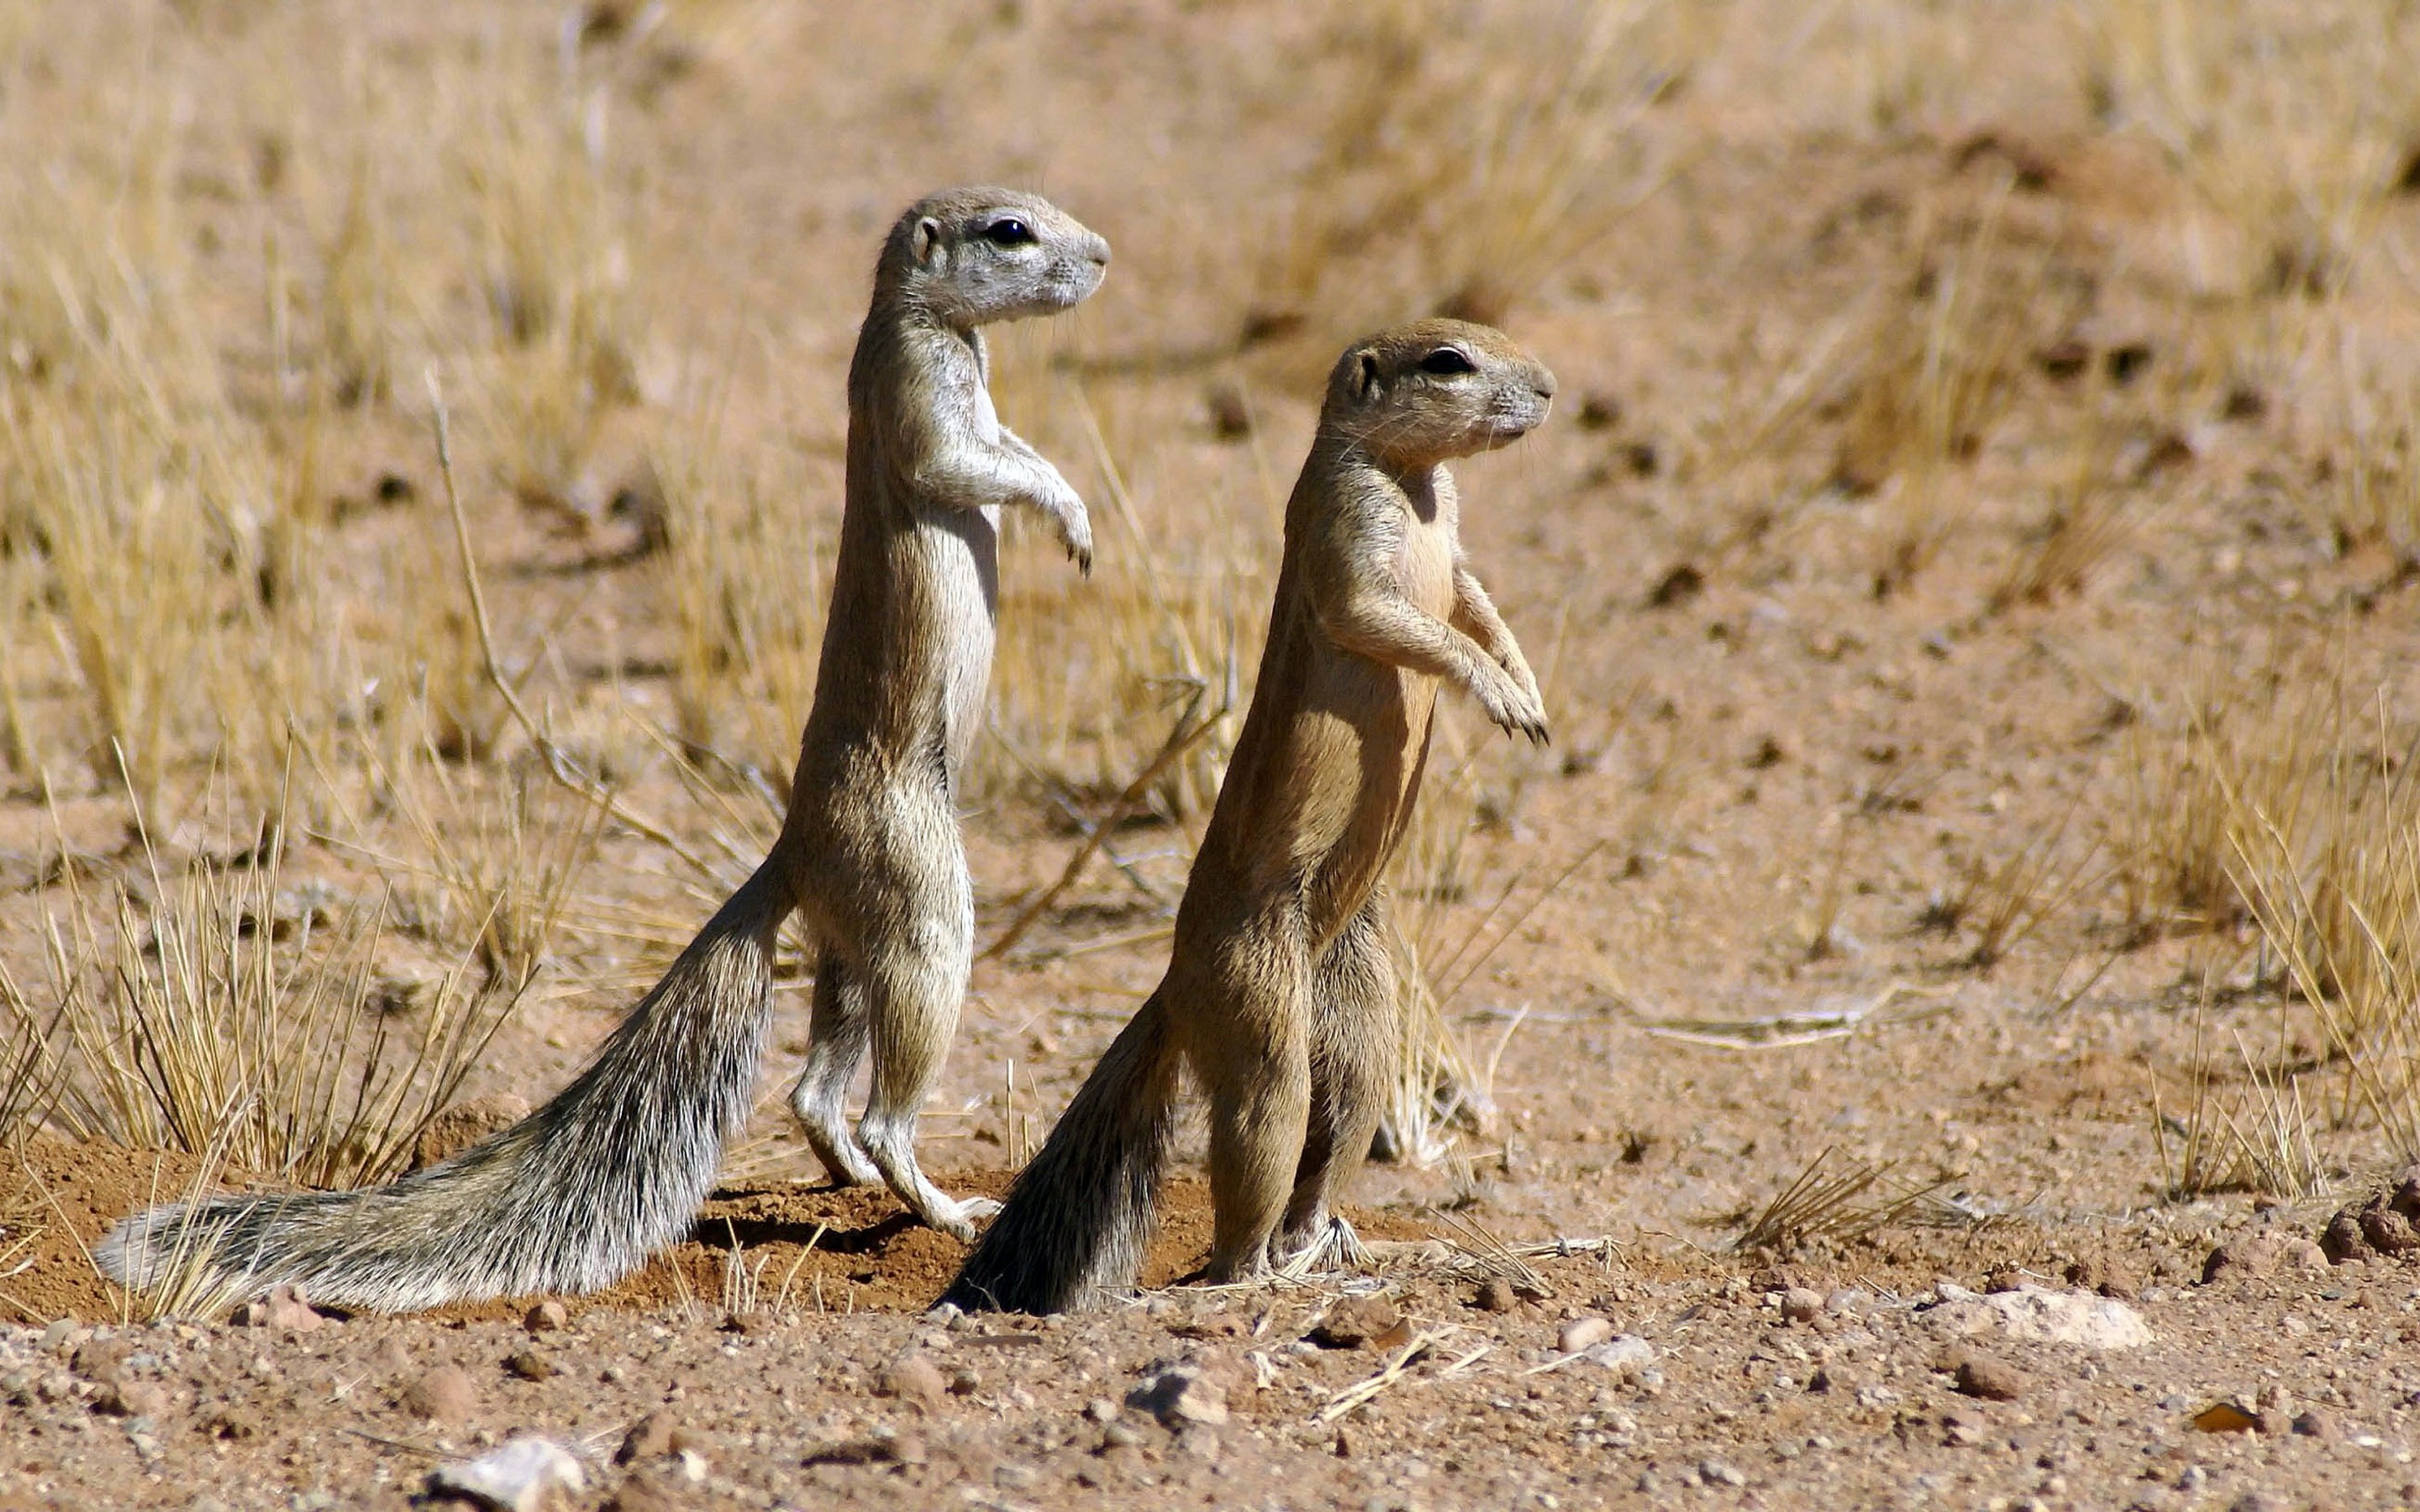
[1856, 1381]
[1771, 769]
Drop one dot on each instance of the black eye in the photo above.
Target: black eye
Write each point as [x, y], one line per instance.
[1008, 231]
[1447, 360]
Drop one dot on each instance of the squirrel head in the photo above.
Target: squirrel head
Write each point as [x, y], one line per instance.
[1422, 394]
[969, 256]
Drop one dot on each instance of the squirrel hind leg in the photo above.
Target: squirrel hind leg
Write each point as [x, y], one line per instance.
[838, 1035]
[1260, 1110]
[913, 996]
[1354, 1035]
[891, 1140]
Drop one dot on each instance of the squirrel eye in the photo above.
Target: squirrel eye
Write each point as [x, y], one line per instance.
[1008, 232]
[1447, 360]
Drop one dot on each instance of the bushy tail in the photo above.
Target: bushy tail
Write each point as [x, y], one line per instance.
[571, 1198]
[1080, 1218]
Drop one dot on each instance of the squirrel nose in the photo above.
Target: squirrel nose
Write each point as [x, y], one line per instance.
[1098, 250]
[1543, 384]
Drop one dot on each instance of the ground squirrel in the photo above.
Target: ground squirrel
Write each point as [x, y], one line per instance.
[1280, 993]
[581, 1190]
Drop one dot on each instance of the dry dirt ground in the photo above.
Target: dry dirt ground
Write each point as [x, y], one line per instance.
[1945, 430]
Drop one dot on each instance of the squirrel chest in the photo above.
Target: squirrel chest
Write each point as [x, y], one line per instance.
[1423, 563]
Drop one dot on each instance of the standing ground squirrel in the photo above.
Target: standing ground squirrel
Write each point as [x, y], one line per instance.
[1280, 993]
[581, 1190]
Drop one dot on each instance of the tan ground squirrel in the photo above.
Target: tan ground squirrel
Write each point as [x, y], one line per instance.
[581, 1191]
[1280, 993]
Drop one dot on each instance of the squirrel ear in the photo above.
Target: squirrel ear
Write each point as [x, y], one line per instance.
[924, 239]
[1365, 382]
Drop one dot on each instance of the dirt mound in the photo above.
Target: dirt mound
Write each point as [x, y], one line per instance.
[2380, 1227]
[56, 1199]
[854, 1249]
[812, 1248]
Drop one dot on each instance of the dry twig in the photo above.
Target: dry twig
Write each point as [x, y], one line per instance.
[1363, 1392]
[558, 762]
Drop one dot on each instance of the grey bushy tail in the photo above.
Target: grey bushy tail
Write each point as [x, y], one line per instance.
[571, 1198]
[1079, 1220]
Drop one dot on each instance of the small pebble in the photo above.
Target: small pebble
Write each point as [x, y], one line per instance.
[1716, 1473]
[2316, 1424]
[1354, 1322]
[99, 1359]
[1495, 1295]
[1989, 1377]
[1584, 1333]
[530, 1364]
[1178, 1394]
[914, 1378]
[444, 1394]
[521, 1475]
[141, 1398]
[548, 1317]
[2225, 1417]
[1801, 1304]
[649, 1438]
[231, 1423]
[1624, 1354]
[284, 1308]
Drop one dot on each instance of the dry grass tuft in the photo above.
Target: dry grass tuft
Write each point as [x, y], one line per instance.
[2187, 772]
[2286, 801]
[2289, 125]
[2333, 881]
[2371, 497]
[1836, 1199]
[216, 1010]
[2002, 904]
[749, 555]
[2092, 517]
[31, 1074]
[1091, 676]
[1937, 368]
[502, 867]
[2258, 1140]
[1440, 1084]
[1405, 206]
